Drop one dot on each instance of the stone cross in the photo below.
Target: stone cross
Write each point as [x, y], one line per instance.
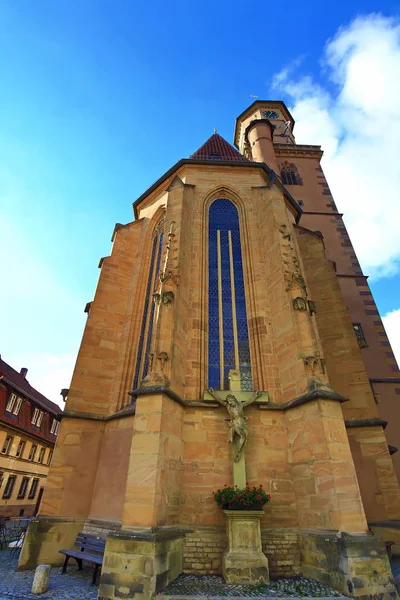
[238, 431]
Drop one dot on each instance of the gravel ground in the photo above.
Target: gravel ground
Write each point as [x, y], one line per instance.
[74, 585]
[213, 586]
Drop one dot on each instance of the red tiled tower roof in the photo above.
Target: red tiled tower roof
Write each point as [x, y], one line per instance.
[216, 148]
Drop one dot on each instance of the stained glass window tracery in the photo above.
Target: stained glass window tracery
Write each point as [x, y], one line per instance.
[146, 329]
[228, 337]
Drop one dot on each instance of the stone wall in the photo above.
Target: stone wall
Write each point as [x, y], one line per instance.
[142, 563]
[101, 528]
[203, 551]
[283, 552]
[356, 565]
[204, 548]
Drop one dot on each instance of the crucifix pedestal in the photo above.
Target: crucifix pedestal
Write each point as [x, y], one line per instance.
[244, 562]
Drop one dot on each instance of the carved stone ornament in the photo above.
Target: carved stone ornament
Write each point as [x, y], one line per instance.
[314, 364]
[284, 232]
[169, 276]
[167, 297]
[159, 228]
[163, 298]
[296, 281]
[300, 303]
[311, 307]
[311, 363]
[162, 357]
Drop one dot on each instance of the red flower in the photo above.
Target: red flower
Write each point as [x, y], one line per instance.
[258, 497]
[237, 496]
[269, 496]
[225, 485]
[260, 486]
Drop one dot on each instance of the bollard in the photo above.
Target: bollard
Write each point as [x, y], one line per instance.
[41, 579]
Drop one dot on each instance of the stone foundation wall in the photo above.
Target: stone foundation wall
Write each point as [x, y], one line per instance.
[204, 548]
[203, 551]
[140, 564]
[283, 552]
[356, 565]
[101, 528]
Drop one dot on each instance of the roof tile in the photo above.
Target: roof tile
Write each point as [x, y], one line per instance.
[20, 382]
[216, 148]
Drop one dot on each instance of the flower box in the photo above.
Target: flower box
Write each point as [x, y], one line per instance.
[248, 498]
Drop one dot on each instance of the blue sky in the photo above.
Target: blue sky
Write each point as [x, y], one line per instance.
[98, 99]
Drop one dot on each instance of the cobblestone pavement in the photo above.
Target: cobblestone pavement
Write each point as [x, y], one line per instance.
[213, 586]
[74, 585]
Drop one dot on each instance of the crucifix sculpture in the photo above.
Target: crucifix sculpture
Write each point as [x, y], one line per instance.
[237, 422]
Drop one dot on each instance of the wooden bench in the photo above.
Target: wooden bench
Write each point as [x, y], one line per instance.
[88, 547]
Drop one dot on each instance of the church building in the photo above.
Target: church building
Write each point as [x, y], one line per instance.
[235, 282]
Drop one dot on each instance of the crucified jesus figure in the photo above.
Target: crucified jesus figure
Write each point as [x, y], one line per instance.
[237, 422]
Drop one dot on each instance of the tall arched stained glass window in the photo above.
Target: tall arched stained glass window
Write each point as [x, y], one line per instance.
[228, 335]
[146, 329]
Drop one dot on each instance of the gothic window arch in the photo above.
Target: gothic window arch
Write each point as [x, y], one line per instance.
[290, 174]
[228, 335]
[146, 328]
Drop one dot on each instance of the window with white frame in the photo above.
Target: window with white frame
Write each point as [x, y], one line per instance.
[7, 445]
[32, 452]
[32, 492]
[14, 404]
[55, 427]
[8, 490]
[23, 488]
[37, 417]
[41, 455]
[20, 449]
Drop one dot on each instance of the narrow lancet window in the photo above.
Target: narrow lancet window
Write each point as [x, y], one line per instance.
[146, 330]
[228, 337]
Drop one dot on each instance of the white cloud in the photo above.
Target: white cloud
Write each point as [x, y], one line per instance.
[391, 322]
[358, 126]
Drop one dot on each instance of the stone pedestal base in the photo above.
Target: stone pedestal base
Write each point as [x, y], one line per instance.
[244, 561]
[355, 564]
[45, 537]
[139, 564]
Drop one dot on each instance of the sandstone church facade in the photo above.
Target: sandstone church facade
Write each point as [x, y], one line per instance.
[236, 274]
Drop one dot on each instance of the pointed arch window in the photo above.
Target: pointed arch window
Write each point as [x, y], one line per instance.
[228, 336]
[146, 329]
[290, 174]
